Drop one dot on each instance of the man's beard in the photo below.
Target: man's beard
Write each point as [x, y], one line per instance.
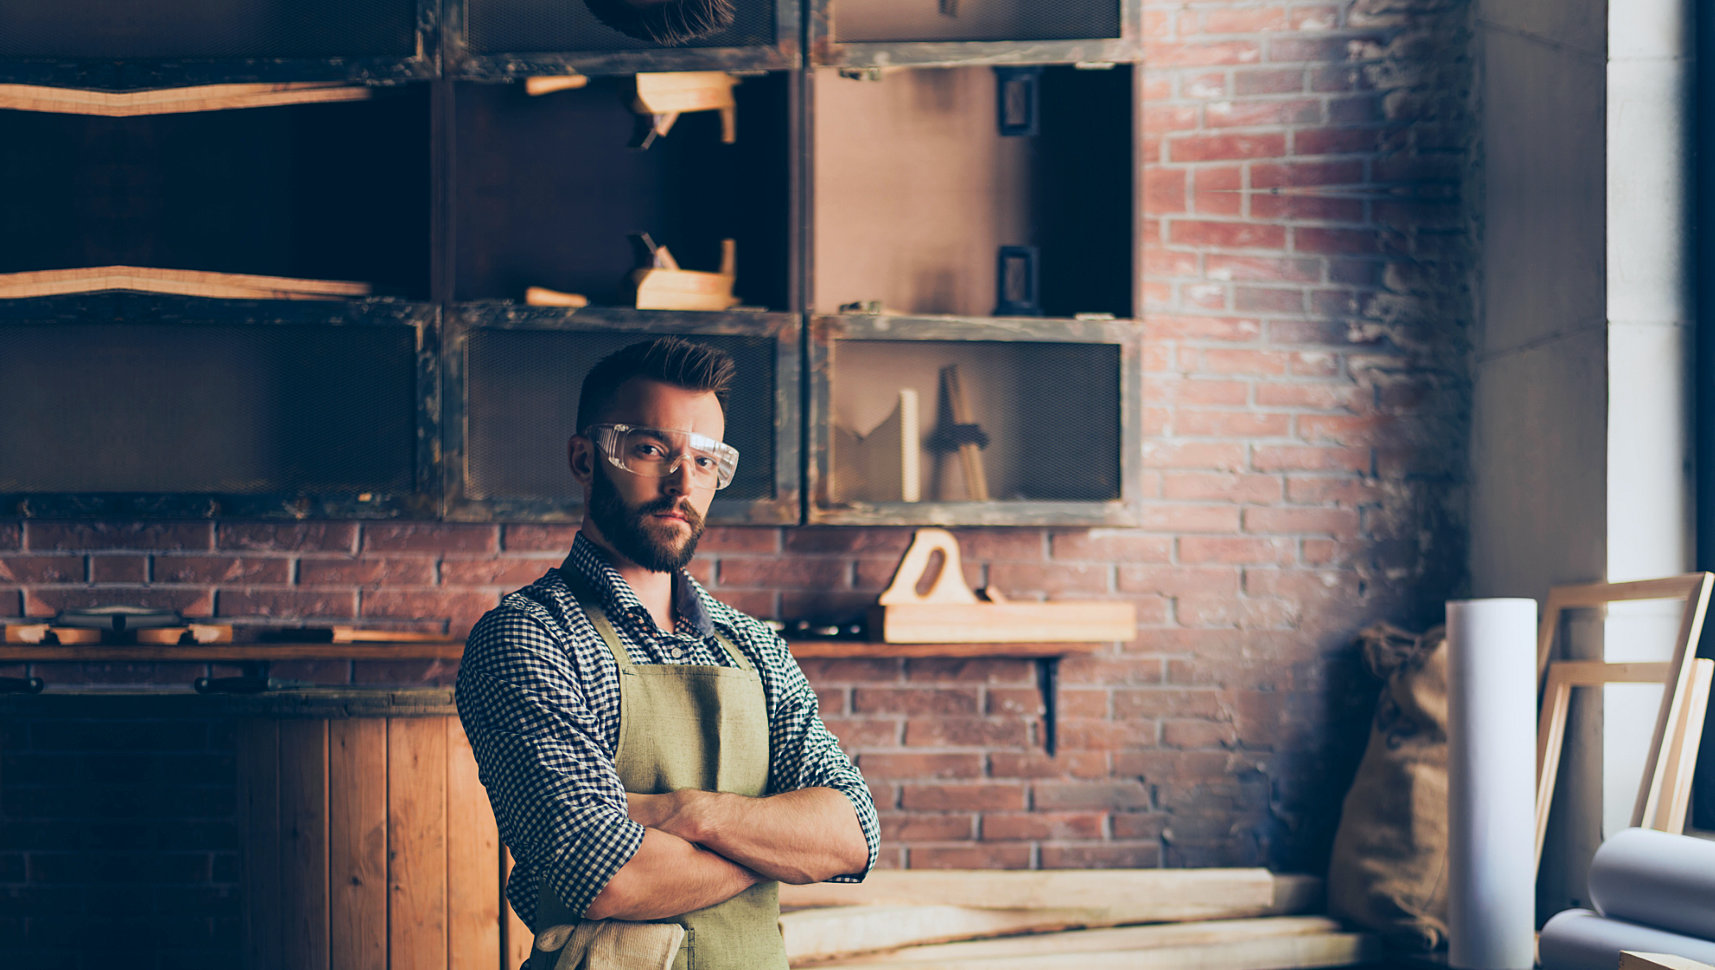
[627, 529]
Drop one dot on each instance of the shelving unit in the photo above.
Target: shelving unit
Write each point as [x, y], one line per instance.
[912, 184]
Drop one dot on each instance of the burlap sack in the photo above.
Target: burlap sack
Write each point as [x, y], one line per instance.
[1389, 868]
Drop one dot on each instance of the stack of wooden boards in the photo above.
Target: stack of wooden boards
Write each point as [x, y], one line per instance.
[1135, 919]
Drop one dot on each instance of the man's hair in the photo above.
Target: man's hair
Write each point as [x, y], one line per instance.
[670, 360]
[668, 22]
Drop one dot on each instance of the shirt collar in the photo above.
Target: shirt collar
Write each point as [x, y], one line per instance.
[591, 561]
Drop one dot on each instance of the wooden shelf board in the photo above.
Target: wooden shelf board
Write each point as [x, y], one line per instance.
[453, 650]
[845, 649]
[232, 652]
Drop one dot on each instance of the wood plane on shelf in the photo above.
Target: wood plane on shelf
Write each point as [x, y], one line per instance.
[181, 282]
[202, 97]
[665, 96]
[950, 612]
[662, 285]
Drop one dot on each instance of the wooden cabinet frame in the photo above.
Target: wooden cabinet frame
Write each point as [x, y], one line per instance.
[112, 75]
[826, 50]
[424, 319]
[459, 61]
[783, 329]
[827, 331]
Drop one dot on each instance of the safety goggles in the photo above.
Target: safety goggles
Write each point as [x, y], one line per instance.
[656, 452]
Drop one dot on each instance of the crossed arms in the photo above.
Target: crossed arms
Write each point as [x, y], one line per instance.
[700, 848]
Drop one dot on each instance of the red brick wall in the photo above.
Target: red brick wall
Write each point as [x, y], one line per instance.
[1306, 267]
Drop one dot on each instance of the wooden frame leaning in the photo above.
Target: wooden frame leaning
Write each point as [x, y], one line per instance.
[1664, 792]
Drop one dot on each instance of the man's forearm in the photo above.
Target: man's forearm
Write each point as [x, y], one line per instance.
[796, 837]
[669, 876]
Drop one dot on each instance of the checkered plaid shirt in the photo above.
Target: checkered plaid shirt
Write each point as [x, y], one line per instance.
[538, 694]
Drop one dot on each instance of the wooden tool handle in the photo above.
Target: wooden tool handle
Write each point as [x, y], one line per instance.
[949, 586]
[970, 453]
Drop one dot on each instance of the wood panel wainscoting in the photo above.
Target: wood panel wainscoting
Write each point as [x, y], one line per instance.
[369, 842]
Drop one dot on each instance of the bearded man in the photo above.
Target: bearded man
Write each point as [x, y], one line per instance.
[653, 756]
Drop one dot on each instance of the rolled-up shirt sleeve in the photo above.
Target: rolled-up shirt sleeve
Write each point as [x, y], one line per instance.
[551, 781]
[805, 754]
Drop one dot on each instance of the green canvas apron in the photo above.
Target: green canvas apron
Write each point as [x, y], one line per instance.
[702, 727]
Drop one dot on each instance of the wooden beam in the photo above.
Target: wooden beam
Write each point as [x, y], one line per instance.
[825, 934]
[1057, 952]
[1121, 895]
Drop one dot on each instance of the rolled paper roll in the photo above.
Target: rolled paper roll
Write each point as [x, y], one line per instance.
[1578, 939]
[1657, 879]
[1491, 782]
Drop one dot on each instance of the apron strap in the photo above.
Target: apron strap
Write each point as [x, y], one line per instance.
[590, 601]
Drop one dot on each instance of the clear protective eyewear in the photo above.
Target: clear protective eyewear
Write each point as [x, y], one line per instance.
[658, 452]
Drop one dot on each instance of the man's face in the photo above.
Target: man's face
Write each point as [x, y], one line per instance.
[654, 522]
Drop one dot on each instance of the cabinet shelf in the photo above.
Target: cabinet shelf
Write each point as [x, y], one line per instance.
[547, 191]
[1054, 421]
[929, 198]
[889, 33]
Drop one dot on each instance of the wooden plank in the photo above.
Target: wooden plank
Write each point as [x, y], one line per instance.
[473, 852]
[824, 934]
[1672, 713]
[416, 837]
[1101, 940]
[1635, 960]
[1681, 751]
[303, 904]
[1593, 673]
[259, 813]
[1269, 953]
[176, 281]
[517, 938]
[1550, 738]
[1120, 895]
[1003, 622]
[203, 97]
[357, 843]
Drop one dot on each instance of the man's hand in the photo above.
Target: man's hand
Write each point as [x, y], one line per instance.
[795, 837]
